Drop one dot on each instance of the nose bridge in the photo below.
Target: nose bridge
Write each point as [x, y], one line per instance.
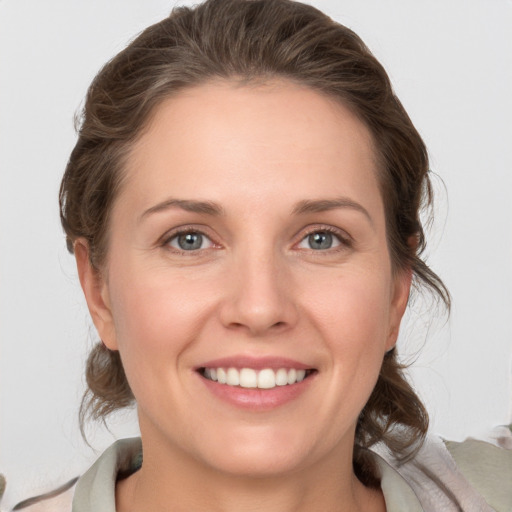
[260, 297]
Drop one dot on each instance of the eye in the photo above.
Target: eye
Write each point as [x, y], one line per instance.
[320, 240]
[189, 241]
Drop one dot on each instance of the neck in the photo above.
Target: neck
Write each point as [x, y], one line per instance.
[170, 480]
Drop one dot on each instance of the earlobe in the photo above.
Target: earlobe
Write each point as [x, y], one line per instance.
[400, 298]
[96, 295]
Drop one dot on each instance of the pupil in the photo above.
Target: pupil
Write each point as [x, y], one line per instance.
[320, 240]
[190, 241]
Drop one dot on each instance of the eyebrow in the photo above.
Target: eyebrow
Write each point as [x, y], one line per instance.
[324, 205]
[301, 208]
[189, 205]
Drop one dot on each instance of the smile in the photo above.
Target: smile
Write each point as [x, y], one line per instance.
[265, 378]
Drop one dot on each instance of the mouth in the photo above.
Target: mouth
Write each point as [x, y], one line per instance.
[264, 378]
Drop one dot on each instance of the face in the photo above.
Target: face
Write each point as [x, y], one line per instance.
[248, 284]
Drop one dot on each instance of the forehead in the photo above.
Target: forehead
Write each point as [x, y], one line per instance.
[274, 139]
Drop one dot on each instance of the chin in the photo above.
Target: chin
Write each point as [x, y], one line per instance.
[252, 464]
[264, 453]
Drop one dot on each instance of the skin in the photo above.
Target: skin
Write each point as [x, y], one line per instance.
[255, 287]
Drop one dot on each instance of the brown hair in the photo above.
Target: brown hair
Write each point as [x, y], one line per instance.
[248, 40]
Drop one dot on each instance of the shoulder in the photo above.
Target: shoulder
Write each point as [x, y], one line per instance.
[473, 475]
[58, 500]
[487, 466]
[94, 491]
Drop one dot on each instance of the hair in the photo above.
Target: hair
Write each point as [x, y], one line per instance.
[252, 41]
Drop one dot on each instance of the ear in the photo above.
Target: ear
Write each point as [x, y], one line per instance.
[399, 300]
[96, 294]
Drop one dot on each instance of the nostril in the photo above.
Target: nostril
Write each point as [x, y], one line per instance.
[257, 313]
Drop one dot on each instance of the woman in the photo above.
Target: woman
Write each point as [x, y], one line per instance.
[243, 204]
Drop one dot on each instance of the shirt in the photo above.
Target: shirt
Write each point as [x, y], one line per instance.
[471, 476]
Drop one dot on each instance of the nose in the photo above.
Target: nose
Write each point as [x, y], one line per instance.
[259, 297]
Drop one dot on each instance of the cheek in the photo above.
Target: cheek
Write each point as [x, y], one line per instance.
[157, 321]
[352, 309]
[155, 314]
[353, 317]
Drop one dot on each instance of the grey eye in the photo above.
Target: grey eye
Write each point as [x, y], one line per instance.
[191, 241]
[320, 240]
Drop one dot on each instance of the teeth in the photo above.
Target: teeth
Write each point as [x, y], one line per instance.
[266, 379]
[221, 375]
[292, 376]
[250, 378]
[281, 377]
[233, 377]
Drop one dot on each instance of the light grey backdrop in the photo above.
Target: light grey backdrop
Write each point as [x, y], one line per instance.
[451, 65]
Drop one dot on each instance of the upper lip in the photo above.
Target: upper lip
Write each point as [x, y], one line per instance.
[256, 363]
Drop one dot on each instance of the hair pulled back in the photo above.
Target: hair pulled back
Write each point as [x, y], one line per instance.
[246, 41]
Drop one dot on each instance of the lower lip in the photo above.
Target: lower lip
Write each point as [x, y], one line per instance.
[257, 399]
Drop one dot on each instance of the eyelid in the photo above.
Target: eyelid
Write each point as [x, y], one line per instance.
[346, 241]
[164, 241]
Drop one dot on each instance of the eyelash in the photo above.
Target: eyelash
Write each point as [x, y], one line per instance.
[345, 241]
[166, 240]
